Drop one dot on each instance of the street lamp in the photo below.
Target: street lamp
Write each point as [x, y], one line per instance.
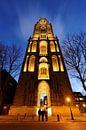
[71, 113]
[84, 105]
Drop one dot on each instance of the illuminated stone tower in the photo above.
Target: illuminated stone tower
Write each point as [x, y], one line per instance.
[43, 81]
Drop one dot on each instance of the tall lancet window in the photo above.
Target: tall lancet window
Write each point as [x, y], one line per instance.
[29, 46]
[31, 64]
[52, 46]
[61, 64]
[57, 47]
[34, 46]
[43, 71]
[25, 65]
[43, 47]
[55, 63]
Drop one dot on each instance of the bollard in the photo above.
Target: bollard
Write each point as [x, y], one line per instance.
[58, 119]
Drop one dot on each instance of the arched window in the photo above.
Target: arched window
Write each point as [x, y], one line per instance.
[34, 46]
[43, 71]
[43, 47]
[29, 47]
[31, 63]
[52, 46]
[61, 64]
[43, 59]
[25, 65]
[57, 47]
[55, 63]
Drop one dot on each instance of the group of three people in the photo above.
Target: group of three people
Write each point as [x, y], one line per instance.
[42, 114]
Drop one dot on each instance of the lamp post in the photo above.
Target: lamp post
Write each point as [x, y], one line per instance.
[84, 107]
[71, 113]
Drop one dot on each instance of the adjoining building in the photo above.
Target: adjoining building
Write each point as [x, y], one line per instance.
[80, 101]
[7, 90]
[43, 81]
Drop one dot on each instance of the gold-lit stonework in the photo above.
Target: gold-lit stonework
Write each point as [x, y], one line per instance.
[55, 63]
[43, 72]
[43, 81]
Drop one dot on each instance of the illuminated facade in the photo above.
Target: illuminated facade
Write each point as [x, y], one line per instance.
[43, 74]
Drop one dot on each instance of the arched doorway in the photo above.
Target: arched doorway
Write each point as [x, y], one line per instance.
[43, 100]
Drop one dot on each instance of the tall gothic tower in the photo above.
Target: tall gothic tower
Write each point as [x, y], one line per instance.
[43, 80]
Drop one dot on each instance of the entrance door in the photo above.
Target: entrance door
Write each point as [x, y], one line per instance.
[43, 101]
[43, 94]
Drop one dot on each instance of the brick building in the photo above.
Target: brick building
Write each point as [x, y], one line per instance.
[7, 90]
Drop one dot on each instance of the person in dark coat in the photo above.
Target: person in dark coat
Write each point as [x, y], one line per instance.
[39, 114]
[46, 115]
[43, 115]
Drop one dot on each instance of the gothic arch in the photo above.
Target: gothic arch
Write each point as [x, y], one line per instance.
[55, 63]
[43, 88]
[52, 46]
[43, 72]
[29, 47]
[31, 63]
[43, 47]
[61, 64]
[25, 64]
[34, 46]
[43, 59]
[57, 47]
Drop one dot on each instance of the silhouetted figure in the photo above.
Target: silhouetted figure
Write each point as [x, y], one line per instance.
[43, 115]
[58, 119]
[24, 115]
[46, 115]
[39, 114]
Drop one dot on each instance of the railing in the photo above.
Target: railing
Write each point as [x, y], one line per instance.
[47, 38]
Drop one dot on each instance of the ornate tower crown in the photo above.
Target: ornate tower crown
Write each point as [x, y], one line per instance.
[43, 30]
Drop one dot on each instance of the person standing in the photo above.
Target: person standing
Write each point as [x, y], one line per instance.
[39, 114]
[46, 115]
[43, 115]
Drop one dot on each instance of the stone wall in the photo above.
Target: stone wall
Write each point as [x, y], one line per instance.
[62, 110]
[22, 110]
[65, 110]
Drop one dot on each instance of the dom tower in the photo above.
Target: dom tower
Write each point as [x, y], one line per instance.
[43, 81]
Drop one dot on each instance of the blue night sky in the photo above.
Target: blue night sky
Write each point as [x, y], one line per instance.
[17, 19]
